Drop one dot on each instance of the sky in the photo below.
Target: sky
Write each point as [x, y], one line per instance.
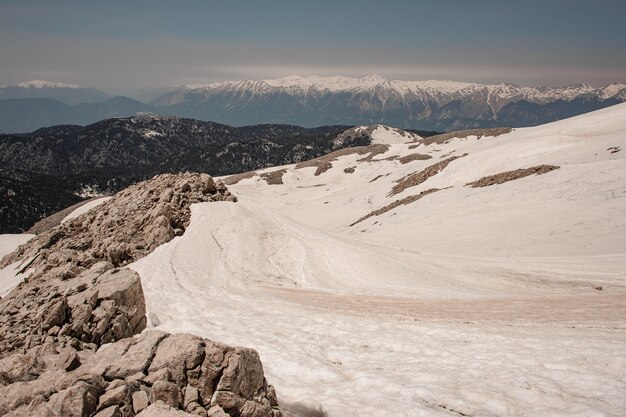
[122, 46]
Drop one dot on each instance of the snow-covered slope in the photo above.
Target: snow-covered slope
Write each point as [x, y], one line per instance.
[507, 299]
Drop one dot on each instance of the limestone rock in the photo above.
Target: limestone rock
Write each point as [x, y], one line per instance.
[113, 411]
[115, 396]
[161, 409]
[140, 401]
[179, 353]
[68, 329]
[136, 358]
[16, 368]
[166, 392]
[80, 400]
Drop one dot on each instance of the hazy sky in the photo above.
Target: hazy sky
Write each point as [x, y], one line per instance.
[117, 45]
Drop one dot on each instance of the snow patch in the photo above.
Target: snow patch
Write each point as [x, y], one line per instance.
[10, 276]
[85, 208]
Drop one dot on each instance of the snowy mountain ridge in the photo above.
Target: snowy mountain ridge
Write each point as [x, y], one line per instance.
[47, 84]
[436, 88]
[427, 105]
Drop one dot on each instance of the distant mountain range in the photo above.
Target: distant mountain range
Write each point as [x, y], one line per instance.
[28, 114]
[313, 101]
[47, 170]
[431, 105]
[66, 93]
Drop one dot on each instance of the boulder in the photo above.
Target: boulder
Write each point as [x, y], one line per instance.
[140, 401]
[161, 409]
[166, 392]
[179, 353]
[113, 411]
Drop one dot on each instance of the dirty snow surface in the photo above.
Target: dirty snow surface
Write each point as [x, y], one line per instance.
[504, 300]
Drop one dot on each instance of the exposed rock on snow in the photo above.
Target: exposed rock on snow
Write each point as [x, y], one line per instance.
[413, 157]
[511, 175]
[274, 177]
[397, 203]
[77, 298]
[479, 133]
[324, 163]
[417, 178]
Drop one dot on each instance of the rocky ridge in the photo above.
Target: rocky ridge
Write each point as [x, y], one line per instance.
[66, 345]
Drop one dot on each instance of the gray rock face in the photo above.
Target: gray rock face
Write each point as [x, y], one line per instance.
[66, 345]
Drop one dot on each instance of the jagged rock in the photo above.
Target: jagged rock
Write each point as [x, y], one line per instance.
[80, 400]
[215, 361]
[160, 409]
[55, 314]
[179, 353]
[16, 368]
[67, 331]
[66, 360]
[114, 396]
[140, 401]
[191, 396]
[166, 392]
[243, 374]
[136, 358]
[160, 375]
[216, 411]
[113, 411]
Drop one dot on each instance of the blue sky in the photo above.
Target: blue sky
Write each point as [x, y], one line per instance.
[155, 43]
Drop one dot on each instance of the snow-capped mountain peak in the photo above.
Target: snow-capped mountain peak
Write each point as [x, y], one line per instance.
[297, 83]
[440, 105]
[47, 84]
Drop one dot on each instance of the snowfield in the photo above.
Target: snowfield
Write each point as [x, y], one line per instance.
[504, 300]
[10, 276]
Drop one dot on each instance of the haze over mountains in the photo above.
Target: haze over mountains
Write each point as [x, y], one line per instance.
[314, 101]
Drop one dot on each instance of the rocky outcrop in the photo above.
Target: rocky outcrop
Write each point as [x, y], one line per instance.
[462, 134]
[511, 175]
[75, 293]
[419, 177]
[401, 202]
[66, 345]
[155, 374]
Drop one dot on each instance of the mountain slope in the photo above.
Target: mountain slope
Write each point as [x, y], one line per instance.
[467, 275]
[57, 166]
[433, 105]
